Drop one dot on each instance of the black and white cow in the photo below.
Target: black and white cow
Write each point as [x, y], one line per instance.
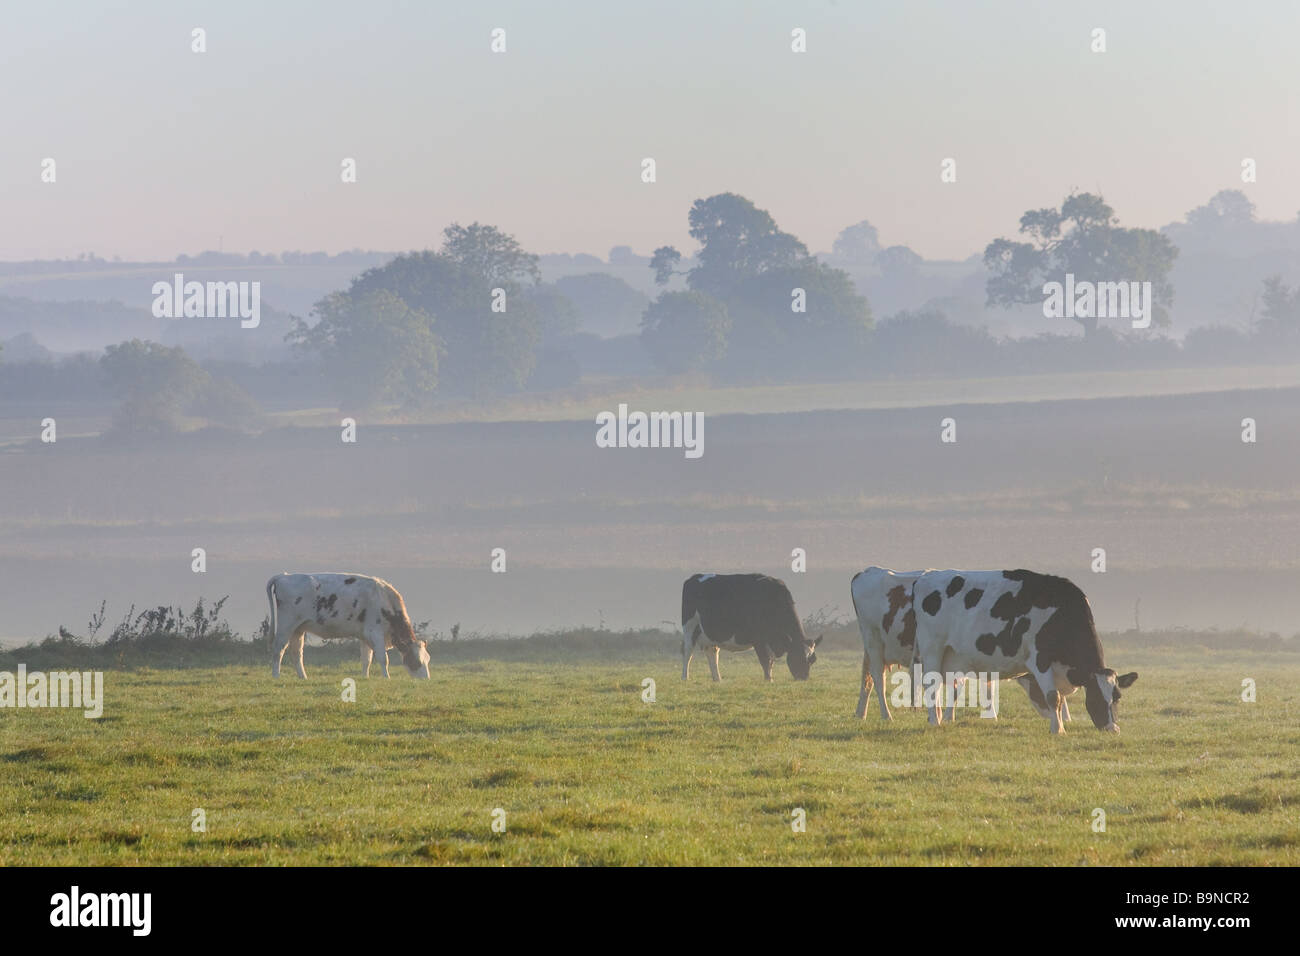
[341, 606]
[1016, 624]
[882, 601]
[739, 612]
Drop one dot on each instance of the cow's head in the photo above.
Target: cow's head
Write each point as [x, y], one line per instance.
[416, 659]
[802, 656]
[1101, 689]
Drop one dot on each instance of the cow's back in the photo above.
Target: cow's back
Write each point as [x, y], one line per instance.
[334, 605]
[998, 620]
[882, 602]
[742, 610]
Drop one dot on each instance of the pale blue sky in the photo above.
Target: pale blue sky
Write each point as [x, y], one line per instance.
[162, 151]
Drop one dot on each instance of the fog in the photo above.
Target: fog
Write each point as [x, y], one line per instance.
[461, 264]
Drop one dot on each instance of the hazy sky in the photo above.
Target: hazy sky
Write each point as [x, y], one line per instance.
[161, 150]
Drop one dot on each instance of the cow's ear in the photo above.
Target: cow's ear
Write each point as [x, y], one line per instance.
[819, 640]
[1126, 680]
[1076, 677]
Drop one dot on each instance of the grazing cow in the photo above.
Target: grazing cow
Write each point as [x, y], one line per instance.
[740, 611]
[338, 607]
[882, 600]
[1016, 624]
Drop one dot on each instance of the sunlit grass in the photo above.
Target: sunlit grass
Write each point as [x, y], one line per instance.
[589, 773]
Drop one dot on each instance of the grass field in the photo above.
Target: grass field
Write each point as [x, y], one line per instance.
[589, 773]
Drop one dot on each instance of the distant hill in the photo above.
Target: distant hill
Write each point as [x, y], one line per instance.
[291, 282]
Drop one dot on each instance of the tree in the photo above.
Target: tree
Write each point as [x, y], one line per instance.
[899, 262]
[756, 271]
[664, 262]
[484, 350]
[153, 383]
[624, 256]
[225, 402]
[606, 304]
[556, 314]
[685, 331]
[857, 245]
[771, 339]
[1281, 315]
[1082, 238]
[737, 241]
[374, 347]
[489, 254]
[925, 341]
[1227, 207]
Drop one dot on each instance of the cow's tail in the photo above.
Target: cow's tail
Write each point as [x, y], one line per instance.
[857, 611]
[688, 611]
[270, 599]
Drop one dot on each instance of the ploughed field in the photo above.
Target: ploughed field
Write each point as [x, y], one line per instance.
[586, 772]
[1197, 525]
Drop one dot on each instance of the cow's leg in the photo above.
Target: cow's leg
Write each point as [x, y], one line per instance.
[1054, 705]
[932, 690]
[295, 651]
[879, 677]
[377, 639]
[690, 632]
[950, 705]
[993, 700]
[864, 691]
[765, 659]
[367, 655]
[1065, 708]
[1035, 693]
[1052, 699]
[277, 651]
[711, 652]
[380, 649]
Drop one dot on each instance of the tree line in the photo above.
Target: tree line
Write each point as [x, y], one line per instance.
[473, 319]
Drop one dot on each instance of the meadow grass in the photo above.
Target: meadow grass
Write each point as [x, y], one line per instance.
[588, 773]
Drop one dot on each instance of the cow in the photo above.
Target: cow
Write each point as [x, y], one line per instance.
[341, 606]
[882, 601]
[739, 612]
[1016, 624]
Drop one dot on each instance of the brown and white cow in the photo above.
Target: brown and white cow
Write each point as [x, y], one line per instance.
[742, 611]
[342, 606]
[1016, 624]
